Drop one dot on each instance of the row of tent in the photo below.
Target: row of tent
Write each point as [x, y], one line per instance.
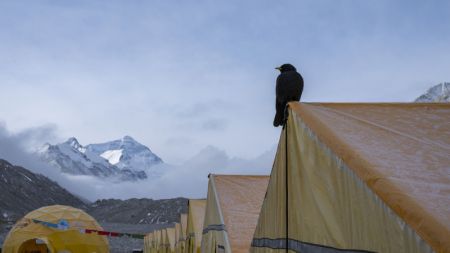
[227, 217]
[346, 178]
[184, 237]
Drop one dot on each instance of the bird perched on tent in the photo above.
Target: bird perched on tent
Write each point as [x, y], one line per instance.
[289, 88]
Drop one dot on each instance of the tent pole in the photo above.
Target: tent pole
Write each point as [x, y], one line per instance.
[287, 187]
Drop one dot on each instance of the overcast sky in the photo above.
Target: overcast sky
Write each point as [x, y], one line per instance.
[181, 75]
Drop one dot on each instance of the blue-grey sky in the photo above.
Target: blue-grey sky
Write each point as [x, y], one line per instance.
[182, 75]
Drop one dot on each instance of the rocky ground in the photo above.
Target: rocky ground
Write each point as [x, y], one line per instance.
[125, 244]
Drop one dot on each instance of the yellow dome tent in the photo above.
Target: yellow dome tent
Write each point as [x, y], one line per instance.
[28, 236]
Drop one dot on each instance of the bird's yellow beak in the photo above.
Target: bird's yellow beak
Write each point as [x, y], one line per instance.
[279, 68]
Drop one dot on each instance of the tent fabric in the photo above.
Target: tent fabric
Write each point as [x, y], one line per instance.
[157, 239]
[171, 239]
[148, 243]
[177, 237]
[182, 235]
[232, 210]
[152, 242]
[370, 177]
[214, 234]
[25, 232]
[164, 244]
[196, 214]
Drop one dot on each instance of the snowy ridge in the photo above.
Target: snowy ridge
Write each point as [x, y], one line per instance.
[122, 160]
[126, 153]
[437, 93]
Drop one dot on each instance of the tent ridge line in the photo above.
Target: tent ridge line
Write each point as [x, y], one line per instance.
[297, 245]
[387, 129]
[213, 185]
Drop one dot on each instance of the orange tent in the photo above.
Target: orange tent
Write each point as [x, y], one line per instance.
[371, 177]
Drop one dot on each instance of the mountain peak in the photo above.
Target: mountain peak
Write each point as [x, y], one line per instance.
[128, 138]
[437, 93]
[73, 142]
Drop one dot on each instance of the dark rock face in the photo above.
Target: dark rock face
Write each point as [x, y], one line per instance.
[23, 191]
[138, 211]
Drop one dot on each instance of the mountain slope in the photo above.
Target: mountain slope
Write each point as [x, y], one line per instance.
[437, 93]
[138, 211]
[23, 191]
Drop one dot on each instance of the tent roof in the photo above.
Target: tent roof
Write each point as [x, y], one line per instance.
[240, 199]
[401, 151]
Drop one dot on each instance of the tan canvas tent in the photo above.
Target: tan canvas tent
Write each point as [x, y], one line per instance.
[232, 210]
[177, 235]
[148, 242]
[196, 214]
[164, 244]
[171, 239]
[182, 236]
[370, 177]
[156, 243]
[146, 249]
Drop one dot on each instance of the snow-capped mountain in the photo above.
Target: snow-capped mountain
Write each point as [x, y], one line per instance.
[124, 159]
[437, 93]
[125, 153]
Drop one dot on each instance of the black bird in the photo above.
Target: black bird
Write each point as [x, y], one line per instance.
[289, 88]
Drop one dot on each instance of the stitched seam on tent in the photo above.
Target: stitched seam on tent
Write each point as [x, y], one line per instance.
[298, 246]
[214, 227]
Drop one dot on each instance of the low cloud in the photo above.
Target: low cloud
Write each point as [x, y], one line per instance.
[215, 124]
[187, 180]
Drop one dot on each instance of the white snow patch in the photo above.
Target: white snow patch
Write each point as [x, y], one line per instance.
[29, 179]
[113, 156]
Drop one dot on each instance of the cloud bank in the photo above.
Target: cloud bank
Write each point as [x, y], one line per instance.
[188, 179]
